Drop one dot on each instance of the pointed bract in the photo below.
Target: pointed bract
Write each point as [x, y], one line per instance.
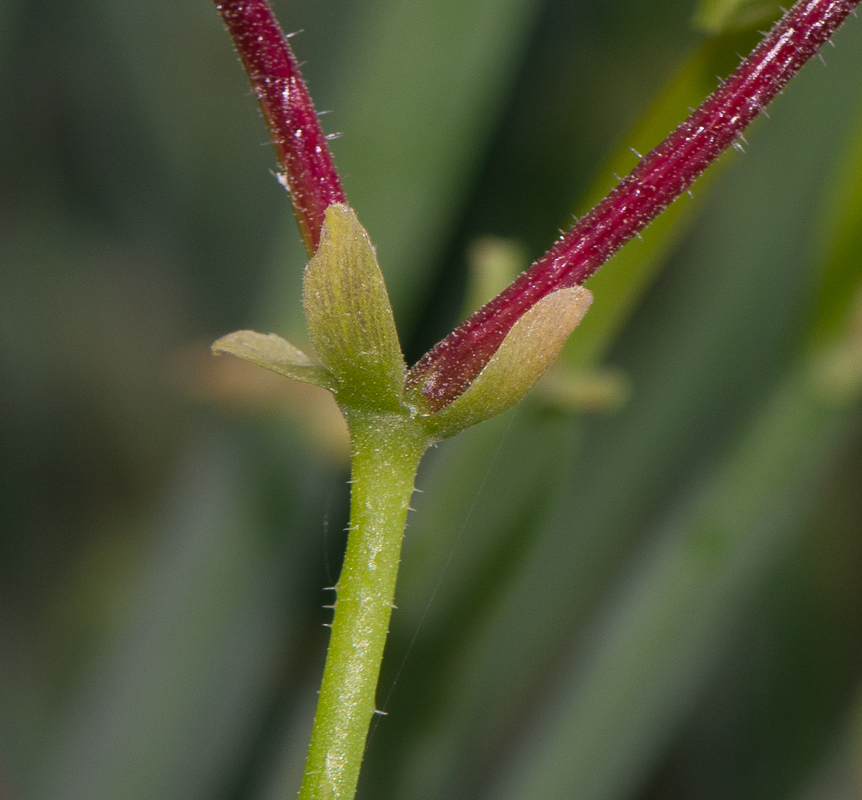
[349, 317]
[275, 354]
[530, 347]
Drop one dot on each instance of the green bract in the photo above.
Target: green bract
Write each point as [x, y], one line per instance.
[527, 351]
[350, 321]
[274, 353]
[349, 317]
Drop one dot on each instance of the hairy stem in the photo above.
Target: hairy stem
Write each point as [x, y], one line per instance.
[386, 454]
[659, 178]
[300, 144]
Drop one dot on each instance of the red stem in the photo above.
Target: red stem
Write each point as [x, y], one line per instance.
[299, 141]
[658, 179]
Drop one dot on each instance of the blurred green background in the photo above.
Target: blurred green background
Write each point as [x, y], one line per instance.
[645, 582]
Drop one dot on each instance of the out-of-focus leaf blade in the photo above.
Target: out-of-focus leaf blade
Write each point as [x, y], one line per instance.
[423, 84]
[168, 707]
[620, 284]
[717, 16]
[840, 243]
[840, 776]
[663, 628]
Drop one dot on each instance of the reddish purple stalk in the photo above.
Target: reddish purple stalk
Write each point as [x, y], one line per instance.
[658, 179]
[299, 141]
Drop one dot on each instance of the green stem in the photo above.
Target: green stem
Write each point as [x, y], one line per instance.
[386, 454]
